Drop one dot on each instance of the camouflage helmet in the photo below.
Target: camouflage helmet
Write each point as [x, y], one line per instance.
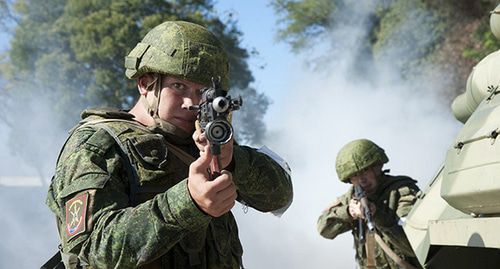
[356, 156]
[181, 49]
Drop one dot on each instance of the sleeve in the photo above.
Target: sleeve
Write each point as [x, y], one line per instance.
[387, 219]
[260, 181]
[113, 234]
[335, 219]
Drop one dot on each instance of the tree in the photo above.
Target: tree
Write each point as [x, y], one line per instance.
[6, 14]
[416, 35]
[70, 53]
[304, 20]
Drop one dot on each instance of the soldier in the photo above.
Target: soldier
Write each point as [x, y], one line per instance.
[379, 239]
[132, 189]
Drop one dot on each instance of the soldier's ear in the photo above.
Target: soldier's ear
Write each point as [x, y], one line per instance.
[143, 83]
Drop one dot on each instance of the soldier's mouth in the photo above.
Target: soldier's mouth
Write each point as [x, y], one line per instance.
[187, 124]
[186, 120]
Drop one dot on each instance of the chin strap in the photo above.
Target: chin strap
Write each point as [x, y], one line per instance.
[154, 87]
[162, 126]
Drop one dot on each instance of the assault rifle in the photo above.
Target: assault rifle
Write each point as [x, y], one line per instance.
[360, 195]
[213, 112]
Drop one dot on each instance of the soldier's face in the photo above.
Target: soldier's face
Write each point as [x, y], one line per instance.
[367, 179]
[177, 96]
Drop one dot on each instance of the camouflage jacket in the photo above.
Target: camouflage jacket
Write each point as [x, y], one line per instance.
[394, 198]
[111, 216]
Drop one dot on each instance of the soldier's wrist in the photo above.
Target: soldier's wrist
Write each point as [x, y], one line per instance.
[187, 212]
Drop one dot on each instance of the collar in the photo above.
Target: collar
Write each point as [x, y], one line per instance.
[171, 132]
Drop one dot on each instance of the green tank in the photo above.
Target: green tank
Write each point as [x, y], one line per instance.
[456, 221]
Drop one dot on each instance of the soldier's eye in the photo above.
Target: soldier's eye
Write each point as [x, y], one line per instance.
[178, 86]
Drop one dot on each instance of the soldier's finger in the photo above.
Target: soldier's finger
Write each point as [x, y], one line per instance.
[197, 126]
[201, 164]
[228, 205]
[222, 182]
[197, 130]
[220, 208]
[227, 193]
[201, 139]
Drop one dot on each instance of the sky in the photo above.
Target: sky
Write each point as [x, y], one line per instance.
[257, 21]
[312, 116]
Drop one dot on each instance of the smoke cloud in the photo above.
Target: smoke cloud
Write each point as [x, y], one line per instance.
[28, 229]
[328, 107]
[323, 109]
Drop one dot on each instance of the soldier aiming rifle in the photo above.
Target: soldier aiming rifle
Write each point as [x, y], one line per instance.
[131, 188]
[373, 208]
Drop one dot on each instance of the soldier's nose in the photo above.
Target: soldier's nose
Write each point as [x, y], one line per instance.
[187, 102]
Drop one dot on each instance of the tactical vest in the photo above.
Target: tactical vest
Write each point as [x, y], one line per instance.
[386, 196]
[153, 165]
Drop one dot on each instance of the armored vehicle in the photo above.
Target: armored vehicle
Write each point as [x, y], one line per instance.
[456, 221]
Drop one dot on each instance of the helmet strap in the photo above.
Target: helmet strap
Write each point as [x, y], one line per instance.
[161, 126]
[157, 94]
[155, 87]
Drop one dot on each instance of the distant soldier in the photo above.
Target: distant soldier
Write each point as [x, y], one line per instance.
[373, 208]
[137, 189]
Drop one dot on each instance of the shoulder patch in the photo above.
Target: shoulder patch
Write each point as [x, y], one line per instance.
[76, 215]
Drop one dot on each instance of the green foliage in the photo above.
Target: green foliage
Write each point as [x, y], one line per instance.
[76, 48]
[4, 96]
[407, 33]
[488, 43]
[304, 20]
[70, 53]
[396, 25]
[83, 43]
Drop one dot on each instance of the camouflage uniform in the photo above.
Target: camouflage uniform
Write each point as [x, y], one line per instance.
[152, 223]
[120, 191]
[393, 198]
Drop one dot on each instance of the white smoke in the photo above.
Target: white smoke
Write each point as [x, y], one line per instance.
[28, 230]
[29, 143]
[323, 111]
